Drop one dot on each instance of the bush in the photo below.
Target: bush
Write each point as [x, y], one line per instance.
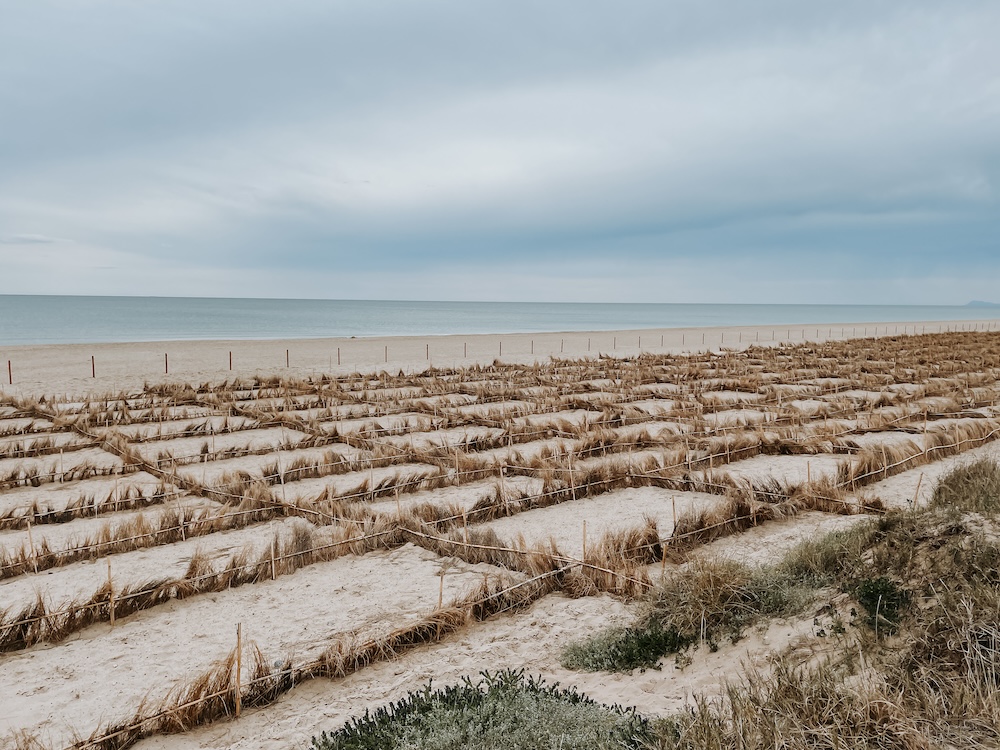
[501, 710]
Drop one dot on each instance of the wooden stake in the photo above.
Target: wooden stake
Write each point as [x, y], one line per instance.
[272, 556]
[166, 364]
[338, 356]
[584, 557]
[808, 472]
[286, 358]
[31, 545]
[465, 527]
[183, 534]
[917, 493]
[230, 361]
[673, 502]
[465, 350]
[399, 508]
[111, 595]
[93, 367]
[441, 590]
[572, 478]
[386, 352]
[239, 668]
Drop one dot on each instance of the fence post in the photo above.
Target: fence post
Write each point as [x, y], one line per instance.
[239, 667]
[111, 595]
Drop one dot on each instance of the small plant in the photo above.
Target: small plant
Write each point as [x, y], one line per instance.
[624, 649]
[884, 600]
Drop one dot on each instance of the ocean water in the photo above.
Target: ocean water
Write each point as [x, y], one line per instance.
[28, 319]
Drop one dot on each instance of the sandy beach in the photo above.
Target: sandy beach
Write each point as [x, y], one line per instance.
[372, 525]
[85, 368]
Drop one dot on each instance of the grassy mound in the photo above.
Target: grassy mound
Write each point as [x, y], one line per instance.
[501, 710]
[920, 668]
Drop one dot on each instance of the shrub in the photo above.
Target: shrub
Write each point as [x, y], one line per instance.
[501, 710]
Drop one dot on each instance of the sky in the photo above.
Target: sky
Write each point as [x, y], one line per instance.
[661, 151]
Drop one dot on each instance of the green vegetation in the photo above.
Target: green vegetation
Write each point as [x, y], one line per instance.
[501, 710]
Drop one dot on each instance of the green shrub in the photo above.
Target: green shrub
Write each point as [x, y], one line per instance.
[499, 711]
[624, 649]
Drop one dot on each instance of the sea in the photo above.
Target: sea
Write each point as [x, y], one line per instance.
[30, 319]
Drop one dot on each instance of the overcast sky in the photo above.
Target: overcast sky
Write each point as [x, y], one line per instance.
[769, 151]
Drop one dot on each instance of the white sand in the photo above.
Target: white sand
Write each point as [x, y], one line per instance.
[103, 671]
[613, 511]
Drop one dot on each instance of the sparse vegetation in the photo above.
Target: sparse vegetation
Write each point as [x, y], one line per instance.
[549, 435]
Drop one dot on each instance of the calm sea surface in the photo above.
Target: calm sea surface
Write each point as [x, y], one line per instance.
[58, 320]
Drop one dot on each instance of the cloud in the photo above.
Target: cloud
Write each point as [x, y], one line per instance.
[28, 239]
[385, 142]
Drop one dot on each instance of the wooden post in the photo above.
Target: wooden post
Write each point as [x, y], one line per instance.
[183, 533]
[441, 590]
[572, 478]
[428, 351]
[111, 595]
[808, 472]
[386, 352]
[93, 367]
[615, 340]
[501, 347]
[465, 527]
[230, 361]
[532, 347]
[281, 474]
[166, 364]
[239, 668]
[673, 502]
[286, 358]
[917, 493]
[584, 556]
[272, 556]
[31, 545]
[465, 350]
[588, 345]
[561, 343]
[399, 508]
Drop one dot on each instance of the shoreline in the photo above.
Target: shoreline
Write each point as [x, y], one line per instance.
[74, 369]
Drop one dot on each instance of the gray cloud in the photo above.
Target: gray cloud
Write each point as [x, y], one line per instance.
[416, 148]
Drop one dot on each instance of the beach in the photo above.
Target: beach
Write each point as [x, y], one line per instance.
[320, 537]
[110, 367]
